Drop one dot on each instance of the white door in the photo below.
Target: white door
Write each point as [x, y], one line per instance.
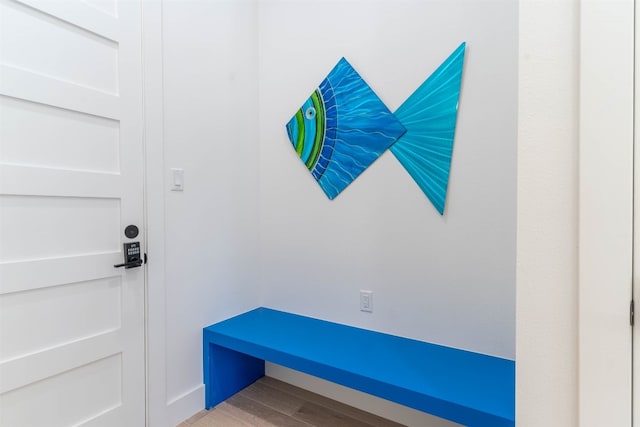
[71, 179]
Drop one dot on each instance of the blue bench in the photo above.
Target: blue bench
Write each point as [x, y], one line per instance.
[465, 387]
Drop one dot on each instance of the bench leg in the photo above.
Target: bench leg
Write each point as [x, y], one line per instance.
[226, 372]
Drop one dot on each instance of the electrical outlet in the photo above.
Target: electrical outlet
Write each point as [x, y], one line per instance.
[366, 301]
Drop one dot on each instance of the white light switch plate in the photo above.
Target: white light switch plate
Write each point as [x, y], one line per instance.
[177, 183]
[366, 301]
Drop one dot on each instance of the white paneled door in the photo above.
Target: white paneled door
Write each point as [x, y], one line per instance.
[71, 180]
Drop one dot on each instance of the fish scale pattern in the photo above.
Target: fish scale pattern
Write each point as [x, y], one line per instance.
[358, 128]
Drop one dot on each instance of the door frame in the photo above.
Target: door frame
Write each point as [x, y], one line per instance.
[605, 212]
[157, 410]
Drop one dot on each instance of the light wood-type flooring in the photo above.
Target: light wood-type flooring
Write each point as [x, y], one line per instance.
[269, 402]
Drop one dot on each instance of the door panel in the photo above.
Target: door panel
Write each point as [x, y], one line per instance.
[54, 309]
[44, 39]
[71, 162]
[90, 391]
[58, 226]
[55, 132]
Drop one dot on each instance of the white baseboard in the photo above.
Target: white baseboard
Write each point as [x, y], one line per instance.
[185, 406]
[366, 402]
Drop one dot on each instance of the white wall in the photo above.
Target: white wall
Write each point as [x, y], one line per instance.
[203, 259]
[547, 272]
[448, 280]
[203, 241]
[546, 347]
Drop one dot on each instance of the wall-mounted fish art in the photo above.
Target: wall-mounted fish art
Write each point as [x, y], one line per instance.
[343, 127]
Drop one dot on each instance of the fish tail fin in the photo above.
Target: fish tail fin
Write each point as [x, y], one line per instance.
[429, 115]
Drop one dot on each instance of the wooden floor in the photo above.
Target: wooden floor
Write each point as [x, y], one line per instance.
[269, 402]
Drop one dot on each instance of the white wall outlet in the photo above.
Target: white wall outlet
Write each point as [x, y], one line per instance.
[366, 301]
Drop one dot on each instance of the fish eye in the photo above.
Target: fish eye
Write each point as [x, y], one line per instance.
[310, 113]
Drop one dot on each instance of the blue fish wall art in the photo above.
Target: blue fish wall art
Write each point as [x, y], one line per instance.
[343, 127]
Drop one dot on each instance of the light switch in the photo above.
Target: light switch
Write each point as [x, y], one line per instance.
[366, 301]
[178, 179]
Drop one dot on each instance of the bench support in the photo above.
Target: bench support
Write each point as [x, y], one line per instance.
[233, 372]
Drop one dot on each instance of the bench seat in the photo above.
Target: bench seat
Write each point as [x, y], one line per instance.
[468, 388]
